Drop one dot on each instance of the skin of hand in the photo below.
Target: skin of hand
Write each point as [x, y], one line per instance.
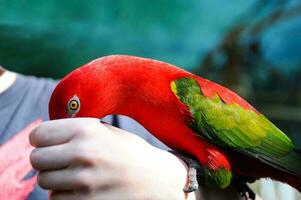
[82, 158]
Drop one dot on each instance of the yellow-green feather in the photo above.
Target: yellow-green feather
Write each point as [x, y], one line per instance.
[220, 178]
[232, 126]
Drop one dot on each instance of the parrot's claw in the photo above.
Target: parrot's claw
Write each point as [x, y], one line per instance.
[192, 184]
[194, 170]
[244, 190]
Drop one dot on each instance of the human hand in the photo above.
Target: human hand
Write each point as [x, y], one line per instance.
[81, 158]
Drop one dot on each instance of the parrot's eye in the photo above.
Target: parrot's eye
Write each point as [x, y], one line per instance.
[73, 106]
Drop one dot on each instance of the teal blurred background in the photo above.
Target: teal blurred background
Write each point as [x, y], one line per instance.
[253, 47]
[49, 38]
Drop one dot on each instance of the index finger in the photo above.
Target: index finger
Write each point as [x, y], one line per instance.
[52, 133]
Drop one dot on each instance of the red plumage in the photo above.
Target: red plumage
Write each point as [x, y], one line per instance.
[105, 87]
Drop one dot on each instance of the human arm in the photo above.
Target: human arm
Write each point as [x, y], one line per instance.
[82, 158]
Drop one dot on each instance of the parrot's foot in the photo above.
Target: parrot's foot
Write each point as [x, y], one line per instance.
[244, 190]
[194, 170]
[192, 184]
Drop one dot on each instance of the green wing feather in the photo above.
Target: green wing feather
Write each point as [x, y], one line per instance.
[232, 126]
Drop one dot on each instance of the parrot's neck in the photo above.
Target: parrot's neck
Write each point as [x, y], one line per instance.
[144, 94]
[160, 112]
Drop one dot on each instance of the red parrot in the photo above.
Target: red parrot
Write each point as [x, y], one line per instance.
[190, 114]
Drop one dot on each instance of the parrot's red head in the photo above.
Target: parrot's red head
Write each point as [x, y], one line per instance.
[86, 92]
[114, 85]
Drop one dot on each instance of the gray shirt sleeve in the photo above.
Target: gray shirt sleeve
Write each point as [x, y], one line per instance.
[25, 101]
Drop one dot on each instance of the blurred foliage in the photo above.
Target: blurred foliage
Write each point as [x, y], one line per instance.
[262, 49]
[259, 57]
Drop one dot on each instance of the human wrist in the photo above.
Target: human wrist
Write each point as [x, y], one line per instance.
[166, 176]
[162, 175]
[178, 175]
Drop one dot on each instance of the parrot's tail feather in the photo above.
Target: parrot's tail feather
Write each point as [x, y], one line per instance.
[293, 178]
[291, 163]
[290, 167]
